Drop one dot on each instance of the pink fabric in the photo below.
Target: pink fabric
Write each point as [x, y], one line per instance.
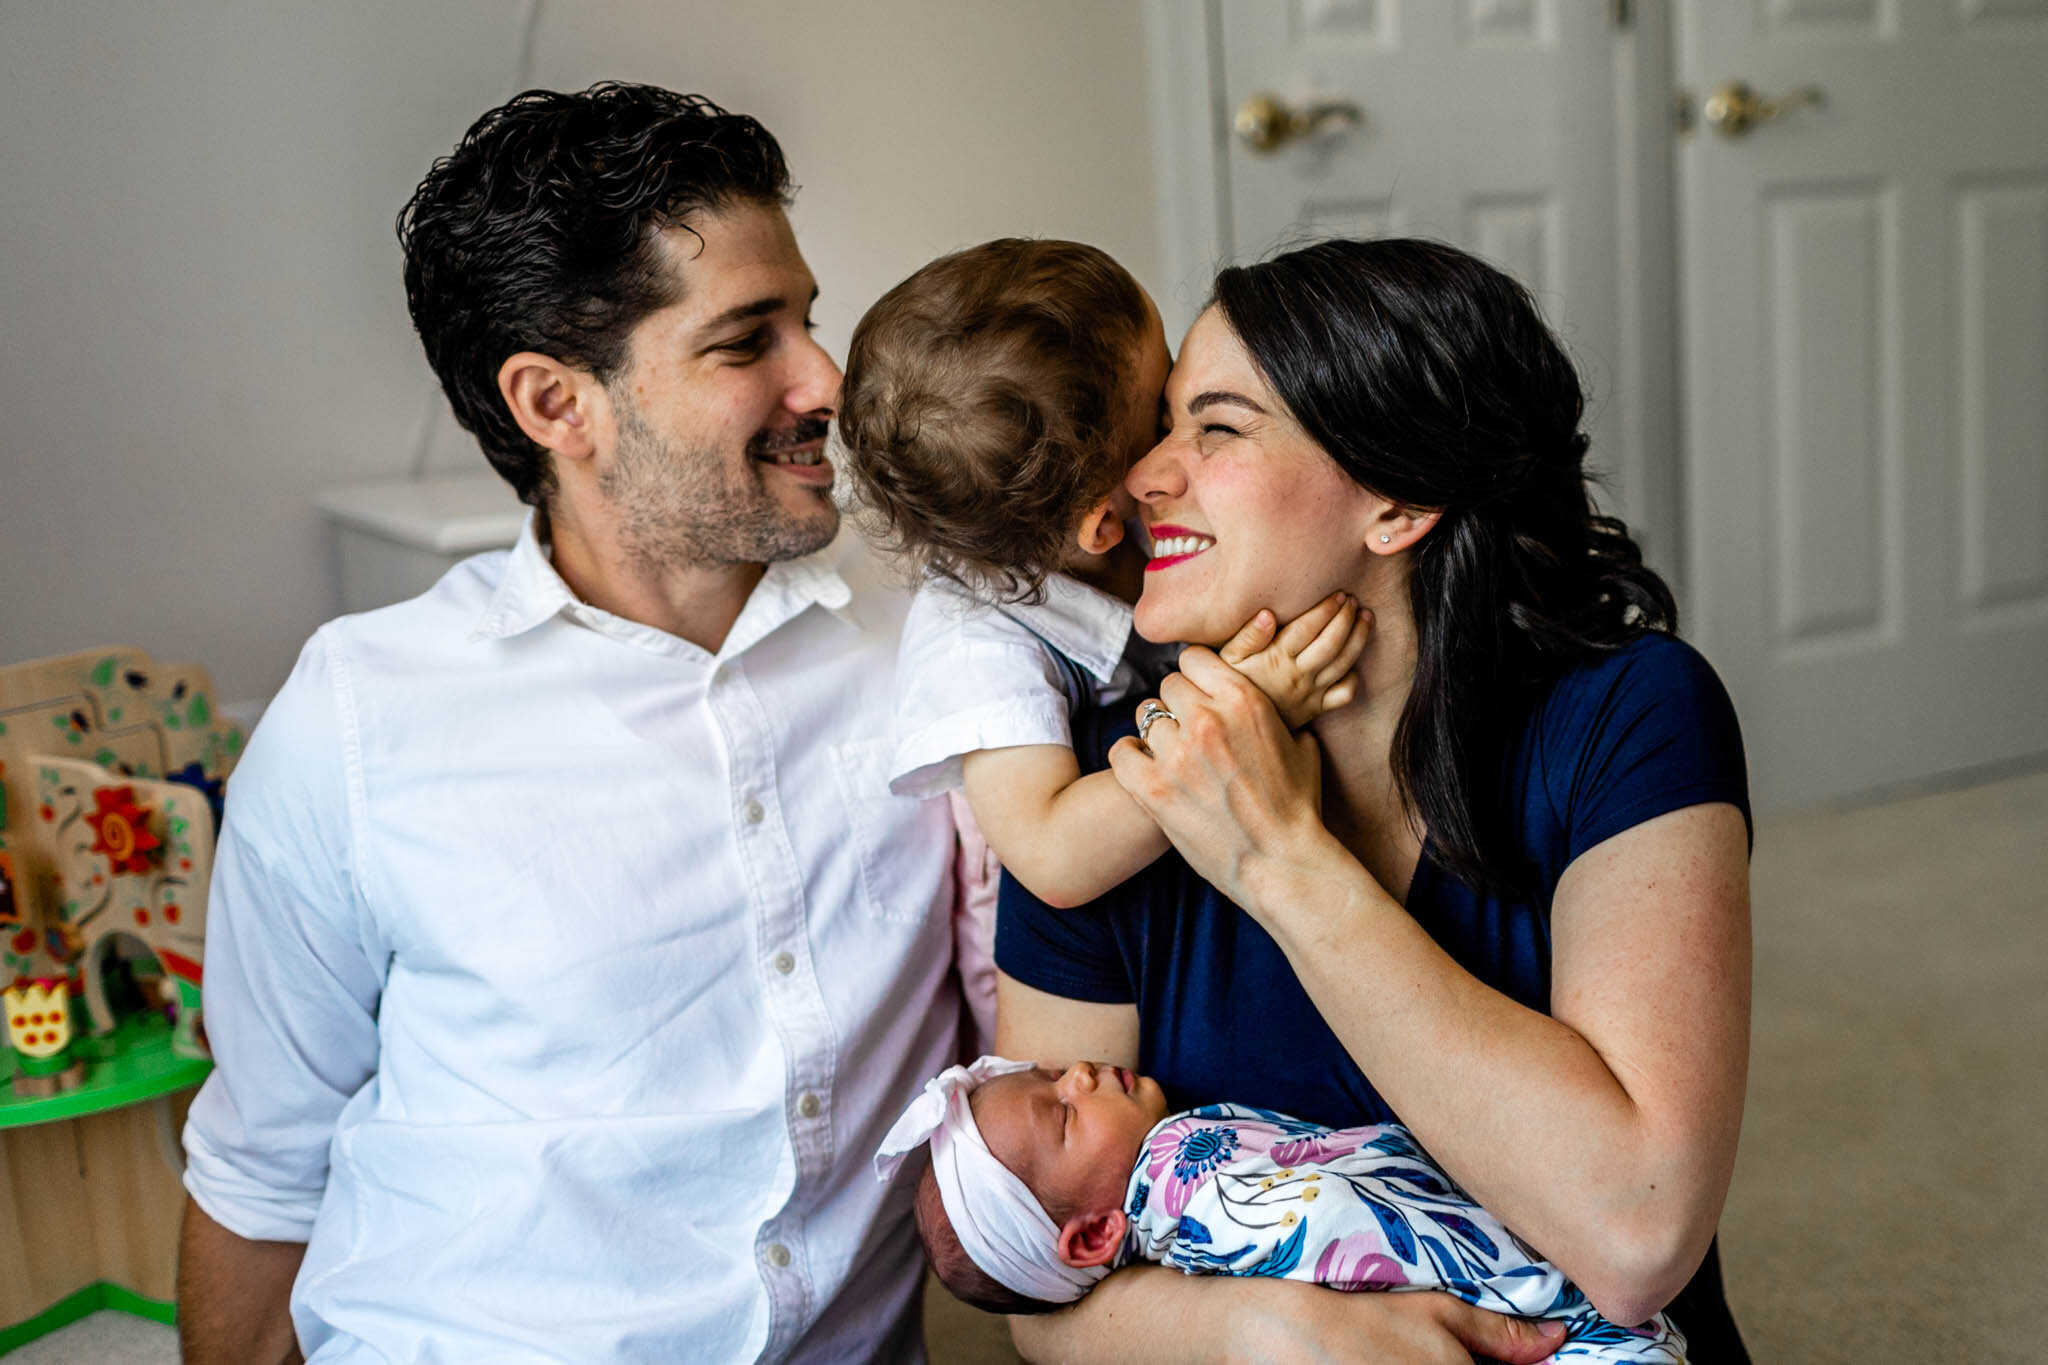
[976, 878]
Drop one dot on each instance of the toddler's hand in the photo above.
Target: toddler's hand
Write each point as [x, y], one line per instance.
[1306, 670]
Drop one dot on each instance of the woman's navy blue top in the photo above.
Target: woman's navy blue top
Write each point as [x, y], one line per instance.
[1619, 739]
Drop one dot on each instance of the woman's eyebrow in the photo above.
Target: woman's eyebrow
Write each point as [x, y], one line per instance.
[1212, 396]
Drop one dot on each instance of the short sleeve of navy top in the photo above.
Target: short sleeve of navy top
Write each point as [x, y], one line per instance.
[1619, 739]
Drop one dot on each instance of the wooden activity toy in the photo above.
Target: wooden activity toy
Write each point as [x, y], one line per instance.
[39, 1031]
[113, 770]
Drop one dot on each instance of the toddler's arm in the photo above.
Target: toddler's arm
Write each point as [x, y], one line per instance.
[1070, 838]
[1306, 670]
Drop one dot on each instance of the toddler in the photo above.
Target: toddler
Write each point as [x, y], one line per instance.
[1042, 1182]
[993, 403]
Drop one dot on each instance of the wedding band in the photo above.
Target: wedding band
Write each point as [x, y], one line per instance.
[1148, 713]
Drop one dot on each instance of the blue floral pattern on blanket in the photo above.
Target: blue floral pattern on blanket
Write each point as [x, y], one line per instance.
[1231, 1190]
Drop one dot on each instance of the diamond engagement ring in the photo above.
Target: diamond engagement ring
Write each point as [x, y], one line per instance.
[1148, 713]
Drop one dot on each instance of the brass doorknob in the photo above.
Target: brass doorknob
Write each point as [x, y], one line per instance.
[1735, 108]
[1264, 123]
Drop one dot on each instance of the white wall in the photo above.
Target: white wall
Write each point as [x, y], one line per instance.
[201, 319]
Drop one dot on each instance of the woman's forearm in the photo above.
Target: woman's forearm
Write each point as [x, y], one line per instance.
[1607, 1152]
[1146, 1314]
[1137, 1316]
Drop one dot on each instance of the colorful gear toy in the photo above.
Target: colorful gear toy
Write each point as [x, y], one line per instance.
[120, 830]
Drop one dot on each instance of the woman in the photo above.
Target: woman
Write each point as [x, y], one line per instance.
[1509, 884]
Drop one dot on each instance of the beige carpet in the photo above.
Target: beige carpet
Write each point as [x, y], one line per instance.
[1891, 1197]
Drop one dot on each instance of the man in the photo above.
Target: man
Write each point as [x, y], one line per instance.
[568, 957]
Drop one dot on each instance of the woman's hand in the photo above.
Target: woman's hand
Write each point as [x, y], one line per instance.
[1223, 778]
[1391, 1329]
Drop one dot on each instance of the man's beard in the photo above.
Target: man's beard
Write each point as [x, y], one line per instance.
[677, 510]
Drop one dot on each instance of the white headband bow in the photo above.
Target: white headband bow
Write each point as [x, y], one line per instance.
[1000, 1225]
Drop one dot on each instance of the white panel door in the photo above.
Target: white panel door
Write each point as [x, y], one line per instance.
[1865, 309]
[1488, 123]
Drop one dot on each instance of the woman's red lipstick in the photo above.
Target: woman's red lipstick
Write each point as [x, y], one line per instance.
[1168, 531]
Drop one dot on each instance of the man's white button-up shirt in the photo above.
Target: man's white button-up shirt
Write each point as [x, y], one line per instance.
[564, 977]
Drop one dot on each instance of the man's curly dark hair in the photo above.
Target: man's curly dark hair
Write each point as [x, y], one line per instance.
[541, 232]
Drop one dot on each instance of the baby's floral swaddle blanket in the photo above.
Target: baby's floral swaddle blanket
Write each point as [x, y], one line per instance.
[1231, 1190]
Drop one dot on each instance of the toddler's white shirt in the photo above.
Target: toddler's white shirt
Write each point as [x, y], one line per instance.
[971, 677]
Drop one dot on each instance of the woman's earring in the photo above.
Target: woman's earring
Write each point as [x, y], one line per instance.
[1385, 538]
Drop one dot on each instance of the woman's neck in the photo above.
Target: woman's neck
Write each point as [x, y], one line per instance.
[1362, 805]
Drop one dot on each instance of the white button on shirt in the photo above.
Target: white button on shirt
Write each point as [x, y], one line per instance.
[561, 998]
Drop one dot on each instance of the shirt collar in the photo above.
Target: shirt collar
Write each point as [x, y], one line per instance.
[1082, 622]
[531, 592]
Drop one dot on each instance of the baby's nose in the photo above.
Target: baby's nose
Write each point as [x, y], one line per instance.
[1080, 1077]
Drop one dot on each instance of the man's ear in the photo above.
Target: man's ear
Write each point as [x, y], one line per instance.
[1395, 528]
[557, 405]
[1101, 529]
[1092, 1238]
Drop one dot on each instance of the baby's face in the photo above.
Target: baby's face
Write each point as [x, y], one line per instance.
[1071, 1136]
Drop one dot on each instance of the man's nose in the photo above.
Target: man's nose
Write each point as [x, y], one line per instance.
[814, 386]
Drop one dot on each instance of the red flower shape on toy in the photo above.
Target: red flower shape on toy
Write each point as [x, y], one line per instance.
[120, 830]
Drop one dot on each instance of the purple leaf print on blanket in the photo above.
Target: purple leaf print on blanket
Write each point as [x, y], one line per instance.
[1315, 1148]
[1356, 1262]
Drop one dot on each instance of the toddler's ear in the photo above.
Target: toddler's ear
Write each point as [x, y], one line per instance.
[1092, 1238]
[1101, 529]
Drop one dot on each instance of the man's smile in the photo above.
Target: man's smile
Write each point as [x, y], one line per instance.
[799, 451]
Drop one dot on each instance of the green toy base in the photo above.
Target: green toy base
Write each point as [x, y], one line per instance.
[134, 1063]
[96, 1297]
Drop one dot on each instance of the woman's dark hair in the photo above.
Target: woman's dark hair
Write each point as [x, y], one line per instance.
[1431, 379]
[540, 232]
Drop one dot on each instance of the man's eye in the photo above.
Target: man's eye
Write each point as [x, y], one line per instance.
[752, 344]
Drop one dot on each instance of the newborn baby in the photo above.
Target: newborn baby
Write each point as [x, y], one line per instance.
[1042, 1182]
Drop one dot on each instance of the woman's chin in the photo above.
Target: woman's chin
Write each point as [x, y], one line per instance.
[1153, 624]
[1162, 624]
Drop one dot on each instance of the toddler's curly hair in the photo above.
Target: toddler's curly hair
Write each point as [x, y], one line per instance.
[981, 413]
